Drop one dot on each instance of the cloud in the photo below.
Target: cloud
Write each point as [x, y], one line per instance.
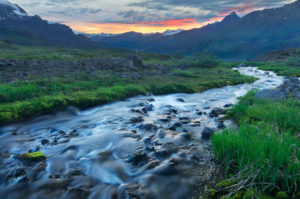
[212, 7]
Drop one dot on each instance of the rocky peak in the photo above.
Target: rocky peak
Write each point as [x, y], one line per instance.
[232, 17]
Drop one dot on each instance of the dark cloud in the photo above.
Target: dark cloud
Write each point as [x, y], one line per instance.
[212, 7]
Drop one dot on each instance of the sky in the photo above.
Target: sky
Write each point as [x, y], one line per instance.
[145, 16]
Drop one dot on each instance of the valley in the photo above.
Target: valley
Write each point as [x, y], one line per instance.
[206, 112]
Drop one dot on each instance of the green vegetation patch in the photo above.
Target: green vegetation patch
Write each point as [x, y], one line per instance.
[264, 150]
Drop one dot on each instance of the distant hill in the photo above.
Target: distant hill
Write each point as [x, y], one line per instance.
[17, 27]
[232, 38]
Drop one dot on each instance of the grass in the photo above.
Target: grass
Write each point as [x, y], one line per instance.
[50, 90]
[265, 148]
[9, 51]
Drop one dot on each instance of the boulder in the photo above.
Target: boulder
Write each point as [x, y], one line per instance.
[148, 127]
[136, 62]
[32, 157]
[180, 100]
[216, 112]
[44, 141]
[207, 133]
[137, 159]
[136, 119]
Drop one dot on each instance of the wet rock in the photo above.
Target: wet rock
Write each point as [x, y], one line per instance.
[12, 175]
[74, 172]
[137, 119]
[216, 112]
[166, 150]
[151, 100]
[196, 123]
[174, 126]
[54, 130]
[148, 140]
[161, 133]
[207, 133]
[185, 120]
[148, 107]
[153, 164]
[220, 125]
[199, 112]
[37, 171]
[167, 110]
[45, 141]
[164, 120]
[187, 135]
[19, 172]
[74, 133]
[180, 100]
[137, 159]
[148, 127]
[228, 105]
[76, 193]
[32, 157]
[138, 111]
[166, 169]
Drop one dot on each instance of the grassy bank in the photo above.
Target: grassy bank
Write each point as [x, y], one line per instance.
[264, 151]
[51, 90]
[21, 100]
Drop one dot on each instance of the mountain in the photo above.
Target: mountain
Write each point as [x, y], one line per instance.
[16, 26]
[233, 38]
[135, 35]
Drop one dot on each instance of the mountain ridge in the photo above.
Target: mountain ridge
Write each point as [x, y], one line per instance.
[233, 38]
[17, 27]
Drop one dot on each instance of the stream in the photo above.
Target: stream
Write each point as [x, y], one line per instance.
[143, 147]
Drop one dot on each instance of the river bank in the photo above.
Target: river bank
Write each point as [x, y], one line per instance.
[144, 147]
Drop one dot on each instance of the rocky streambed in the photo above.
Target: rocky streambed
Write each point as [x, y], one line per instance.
[143, 147]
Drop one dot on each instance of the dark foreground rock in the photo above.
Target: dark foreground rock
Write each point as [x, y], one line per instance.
[207, 133]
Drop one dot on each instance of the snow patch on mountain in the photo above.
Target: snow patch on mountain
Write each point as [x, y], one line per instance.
[171, 32]
[16, 9]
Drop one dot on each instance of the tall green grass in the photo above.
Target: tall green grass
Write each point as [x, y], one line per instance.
[284, 115]
[262, 155]
[265, 148]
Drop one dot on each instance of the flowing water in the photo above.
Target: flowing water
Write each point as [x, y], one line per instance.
[143, 147]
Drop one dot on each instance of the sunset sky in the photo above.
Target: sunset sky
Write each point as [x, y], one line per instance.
[145, 16]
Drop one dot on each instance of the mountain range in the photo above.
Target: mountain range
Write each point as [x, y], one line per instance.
[17, 27]
[233, 38]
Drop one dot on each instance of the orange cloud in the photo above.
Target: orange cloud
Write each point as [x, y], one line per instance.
[145, 27]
